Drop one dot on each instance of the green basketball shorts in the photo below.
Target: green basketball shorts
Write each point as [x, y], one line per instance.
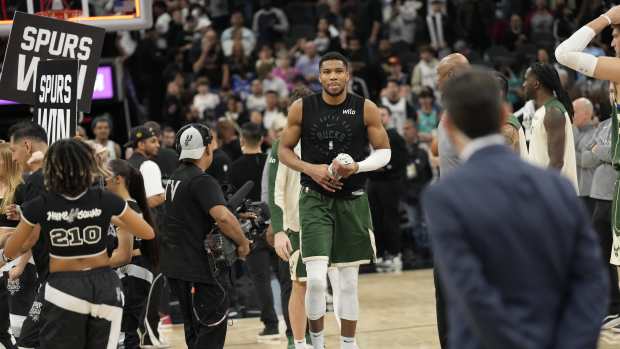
[615, 224]
[296, 265]
[337, 230]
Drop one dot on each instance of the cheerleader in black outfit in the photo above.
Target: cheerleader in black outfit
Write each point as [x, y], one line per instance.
[83, 295]
[137, 275]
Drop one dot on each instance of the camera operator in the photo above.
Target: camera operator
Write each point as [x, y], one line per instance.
[249, 167]
[194, 203]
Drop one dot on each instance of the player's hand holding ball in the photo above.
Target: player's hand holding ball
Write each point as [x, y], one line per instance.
[343, 166]
[321, 175]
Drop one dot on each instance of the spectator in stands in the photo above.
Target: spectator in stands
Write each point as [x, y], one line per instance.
[347, 32]
[220, 166]
[247, 37]
[284, 71]
[395, 71]
[425, 72]
[400, 109]
[270, 23]
[564, 23]
[102, 127]
[174, 108]
[209, 60]
[229, 141]
[272, 110]
[249, 167]
[369, 17]
[402, 20]
[326, 38]
[238, 61]
[274, 83]
[358, 56]
[256, 100]
[427, 115]
[384, 192]
[235, 110]
[265, 62]
[168, 137]
[438, 26]
[205, 101]
[516, 35]
[419, 174]
[308, 65]
[162, 21]
[540, 22]
[583, 131]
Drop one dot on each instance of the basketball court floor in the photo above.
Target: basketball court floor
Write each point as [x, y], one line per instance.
[397, 312]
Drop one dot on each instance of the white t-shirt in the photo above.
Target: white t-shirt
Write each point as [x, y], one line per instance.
[205, 102]
[152, 178]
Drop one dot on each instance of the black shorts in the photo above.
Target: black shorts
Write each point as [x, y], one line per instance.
[136, 279]
[22, 292]
[82, 310]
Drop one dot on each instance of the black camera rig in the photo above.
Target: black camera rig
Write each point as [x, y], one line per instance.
[223, 249]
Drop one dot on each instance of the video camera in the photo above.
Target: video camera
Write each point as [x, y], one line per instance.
[222, 248]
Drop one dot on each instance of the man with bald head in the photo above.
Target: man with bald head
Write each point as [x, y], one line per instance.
[584, 130]
[448, 160]
[447, 68]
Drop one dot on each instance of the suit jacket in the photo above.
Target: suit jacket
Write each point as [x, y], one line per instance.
[517, 256]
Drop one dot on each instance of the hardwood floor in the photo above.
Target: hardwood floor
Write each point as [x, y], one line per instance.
[397, 312]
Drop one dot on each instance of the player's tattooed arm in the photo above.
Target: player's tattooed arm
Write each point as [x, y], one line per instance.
[556, 137]
[511, 135]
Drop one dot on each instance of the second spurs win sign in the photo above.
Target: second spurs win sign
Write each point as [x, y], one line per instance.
[56, 99]
[34, 39]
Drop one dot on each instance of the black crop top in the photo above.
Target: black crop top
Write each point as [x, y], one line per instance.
[75, 227]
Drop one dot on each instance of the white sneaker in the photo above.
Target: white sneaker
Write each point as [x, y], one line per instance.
[611, 321]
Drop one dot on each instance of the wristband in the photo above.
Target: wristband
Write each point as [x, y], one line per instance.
[604, 15]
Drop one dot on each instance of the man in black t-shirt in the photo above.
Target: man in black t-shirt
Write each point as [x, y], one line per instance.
[384, 193]
[220, 167]
[194, 203]
[249, 167]
[29, 145]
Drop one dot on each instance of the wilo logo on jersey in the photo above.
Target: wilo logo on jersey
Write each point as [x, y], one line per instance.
[348, 112]
[35, 39]
[70, 216]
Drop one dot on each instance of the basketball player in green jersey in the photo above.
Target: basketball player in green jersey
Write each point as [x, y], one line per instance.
[334, 214]
[570, 53]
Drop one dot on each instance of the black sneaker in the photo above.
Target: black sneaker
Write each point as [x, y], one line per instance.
[611, 321]
[268, 334]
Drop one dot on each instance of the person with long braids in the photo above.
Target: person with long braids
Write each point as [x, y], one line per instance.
[552, 144]
[137, 276]
[569, 53]
[82, 295]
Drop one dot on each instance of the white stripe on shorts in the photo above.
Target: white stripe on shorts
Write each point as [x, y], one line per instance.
[16, 324]
[135, 271]
[80, 306]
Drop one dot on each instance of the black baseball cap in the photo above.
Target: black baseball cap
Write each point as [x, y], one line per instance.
[140, 133]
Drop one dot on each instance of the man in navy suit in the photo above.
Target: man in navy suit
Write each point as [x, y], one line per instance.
[518, 259]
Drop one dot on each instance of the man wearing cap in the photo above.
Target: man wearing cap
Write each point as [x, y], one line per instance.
[194, 203]
[145, 142]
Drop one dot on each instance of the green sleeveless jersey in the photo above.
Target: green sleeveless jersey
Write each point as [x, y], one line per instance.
[615, 142]
[513, 121]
